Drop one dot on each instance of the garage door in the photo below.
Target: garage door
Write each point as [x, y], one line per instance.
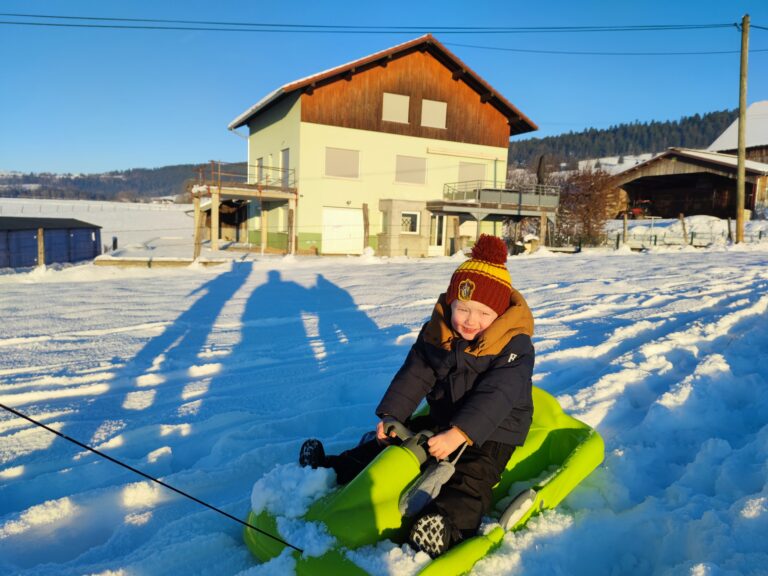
[342, 231]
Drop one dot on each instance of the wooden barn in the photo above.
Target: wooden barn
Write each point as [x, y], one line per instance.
[403, 151]
[27, 242]
[691, 182]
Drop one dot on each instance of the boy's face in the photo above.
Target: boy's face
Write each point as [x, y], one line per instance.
[470, 318]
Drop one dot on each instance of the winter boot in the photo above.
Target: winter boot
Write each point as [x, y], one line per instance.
[311, 453]
[430, 534]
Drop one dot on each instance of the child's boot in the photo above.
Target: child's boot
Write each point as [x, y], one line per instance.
[431, 534]
[311, 453]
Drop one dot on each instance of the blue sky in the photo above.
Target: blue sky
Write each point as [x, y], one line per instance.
[93, 100]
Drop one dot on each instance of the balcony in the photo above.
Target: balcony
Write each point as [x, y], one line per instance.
[487, 192]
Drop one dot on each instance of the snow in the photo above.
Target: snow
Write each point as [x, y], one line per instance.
[133, 223]
[211, 377]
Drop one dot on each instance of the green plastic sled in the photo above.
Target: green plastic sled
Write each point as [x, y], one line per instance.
[558, 454]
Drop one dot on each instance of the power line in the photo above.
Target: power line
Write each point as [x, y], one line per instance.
[584, 53]
[223, 26]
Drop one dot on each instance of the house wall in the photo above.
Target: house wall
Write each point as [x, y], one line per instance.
[358, 102]
[272, 131]
[377, 170]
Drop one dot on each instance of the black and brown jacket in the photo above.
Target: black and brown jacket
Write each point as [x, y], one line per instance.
[482, 387]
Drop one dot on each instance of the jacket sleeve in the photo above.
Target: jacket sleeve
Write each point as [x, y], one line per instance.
[504, 388]
[410, 385]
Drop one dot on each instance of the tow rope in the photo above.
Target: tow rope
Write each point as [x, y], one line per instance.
[147, 476]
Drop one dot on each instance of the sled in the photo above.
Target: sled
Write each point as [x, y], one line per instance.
[559, 452]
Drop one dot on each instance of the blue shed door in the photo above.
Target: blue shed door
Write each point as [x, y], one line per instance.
[83, 244]
[5, 250]
[56, 246]
[23, 245]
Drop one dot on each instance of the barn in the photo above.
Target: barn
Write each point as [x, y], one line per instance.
[26, 242]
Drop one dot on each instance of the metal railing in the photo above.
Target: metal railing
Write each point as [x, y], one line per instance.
[489, 192]
[251, 174]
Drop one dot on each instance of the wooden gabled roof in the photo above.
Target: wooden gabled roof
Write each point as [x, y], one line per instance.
[716, 161]
[518, 122]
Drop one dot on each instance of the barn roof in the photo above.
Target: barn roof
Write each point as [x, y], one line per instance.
[757, 130]
[21, 223]
[519, 123]
[725, 160]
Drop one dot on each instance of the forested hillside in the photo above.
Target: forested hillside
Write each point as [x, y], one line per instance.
[135, 185]
[697, 131]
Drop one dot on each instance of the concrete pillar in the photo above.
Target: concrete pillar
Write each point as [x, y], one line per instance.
[215, 200]
[197, 231]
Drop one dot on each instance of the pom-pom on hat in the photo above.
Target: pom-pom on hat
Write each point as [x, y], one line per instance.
[484, 277]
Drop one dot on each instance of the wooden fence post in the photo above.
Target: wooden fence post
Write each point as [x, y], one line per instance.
[41, 247]
[685, 233]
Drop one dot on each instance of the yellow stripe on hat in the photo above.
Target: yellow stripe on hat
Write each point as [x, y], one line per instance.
[493, 271]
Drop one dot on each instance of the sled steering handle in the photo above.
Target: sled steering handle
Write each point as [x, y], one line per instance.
[394, 425]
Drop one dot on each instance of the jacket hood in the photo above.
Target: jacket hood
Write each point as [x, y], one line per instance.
[516, 320]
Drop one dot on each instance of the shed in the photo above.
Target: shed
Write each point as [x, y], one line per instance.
[64, 240]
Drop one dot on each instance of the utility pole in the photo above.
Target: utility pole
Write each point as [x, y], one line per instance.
[740, 168]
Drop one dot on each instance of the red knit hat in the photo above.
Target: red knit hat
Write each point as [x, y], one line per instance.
[483, 278]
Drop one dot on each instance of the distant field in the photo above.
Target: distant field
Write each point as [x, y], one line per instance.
[131, 223]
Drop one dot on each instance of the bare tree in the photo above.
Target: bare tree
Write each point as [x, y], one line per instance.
[583, 206]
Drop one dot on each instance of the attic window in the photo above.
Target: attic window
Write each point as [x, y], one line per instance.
[395, 108]
[433, 113]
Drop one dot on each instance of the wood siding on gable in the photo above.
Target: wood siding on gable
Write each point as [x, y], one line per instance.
[357, 102]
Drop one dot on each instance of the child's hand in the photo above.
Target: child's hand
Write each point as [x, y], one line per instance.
[381, 436]
[442, 445]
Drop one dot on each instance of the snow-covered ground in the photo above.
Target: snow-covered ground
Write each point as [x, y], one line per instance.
[210, 378]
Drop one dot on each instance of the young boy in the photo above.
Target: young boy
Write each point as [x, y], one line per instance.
[473, 362]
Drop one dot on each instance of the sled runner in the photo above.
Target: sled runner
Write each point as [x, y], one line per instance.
[559, 452]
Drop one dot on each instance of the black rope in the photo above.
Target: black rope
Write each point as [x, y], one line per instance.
[140, 473]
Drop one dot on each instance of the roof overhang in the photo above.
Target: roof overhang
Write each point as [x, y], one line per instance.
[723, 163]
[519, 123]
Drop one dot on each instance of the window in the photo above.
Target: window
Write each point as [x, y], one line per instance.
[395, 108]
[409, 222]
[285, 164]
[410, 170]
[433, 113]
[471, 171]
[342, 163]
[259, 170]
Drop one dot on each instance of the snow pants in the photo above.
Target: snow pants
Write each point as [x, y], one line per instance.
[463, 500]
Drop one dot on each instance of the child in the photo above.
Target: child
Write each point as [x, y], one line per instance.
[473, 362]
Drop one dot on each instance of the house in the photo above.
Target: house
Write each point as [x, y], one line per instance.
[755, 137]
[403, 151]
[36, 241]
[693, 182]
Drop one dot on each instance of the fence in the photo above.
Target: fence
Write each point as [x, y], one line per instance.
[693, 238]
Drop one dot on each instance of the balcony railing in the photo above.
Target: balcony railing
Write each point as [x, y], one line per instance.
[489, 192]
[228, 174]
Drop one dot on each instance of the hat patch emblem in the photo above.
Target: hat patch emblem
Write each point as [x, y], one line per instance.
[466, 289]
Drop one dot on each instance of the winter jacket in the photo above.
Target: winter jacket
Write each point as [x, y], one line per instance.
[482, 387]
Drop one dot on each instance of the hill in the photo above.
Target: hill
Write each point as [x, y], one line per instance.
[697, 131]
[128, 185]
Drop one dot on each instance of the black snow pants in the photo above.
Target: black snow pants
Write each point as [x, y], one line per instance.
[463, 500]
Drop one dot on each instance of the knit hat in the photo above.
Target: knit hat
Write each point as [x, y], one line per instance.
[484, 277]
